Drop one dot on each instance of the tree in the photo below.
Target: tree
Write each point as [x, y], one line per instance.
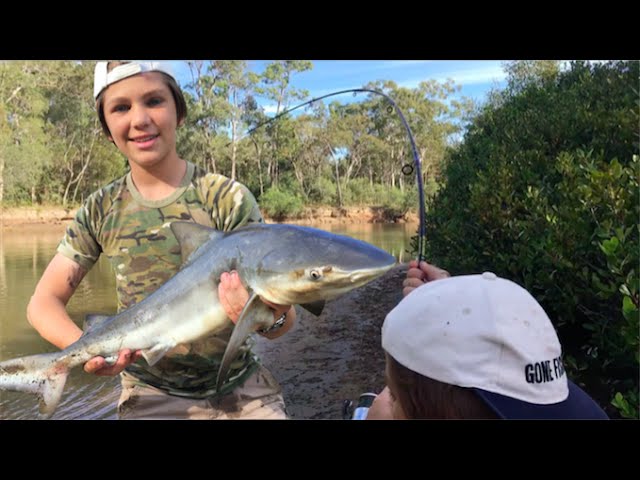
[22, 129]
[544, 191]
[524, 73]
[203, 137]
[275, 85]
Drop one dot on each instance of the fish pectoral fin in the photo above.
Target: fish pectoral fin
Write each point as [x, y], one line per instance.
[93, 322]
[314, 307]
[154, 354]
[255, 314]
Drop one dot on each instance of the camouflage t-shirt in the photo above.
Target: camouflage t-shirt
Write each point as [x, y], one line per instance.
[135, 235]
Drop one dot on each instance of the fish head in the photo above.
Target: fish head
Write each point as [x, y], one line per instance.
[307, 265]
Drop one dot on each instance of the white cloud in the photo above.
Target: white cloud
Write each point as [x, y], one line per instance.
[270, 108]
[472, 76]
[341, 69]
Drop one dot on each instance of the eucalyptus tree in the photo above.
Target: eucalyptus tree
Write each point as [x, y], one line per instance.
[203, 138]
[84, 159]
[5, 141]
[254, 117]
[275, 86]
[309, 160]
[23, 150]
[431, 113]
[236, 83]
[350, 127]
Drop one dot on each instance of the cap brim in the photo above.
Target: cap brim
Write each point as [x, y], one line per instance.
[577, 406]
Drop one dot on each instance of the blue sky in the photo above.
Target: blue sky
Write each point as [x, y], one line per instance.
[476, 77]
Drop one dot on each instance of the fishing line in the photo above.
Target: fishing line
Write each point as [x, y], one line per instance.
[407, 169]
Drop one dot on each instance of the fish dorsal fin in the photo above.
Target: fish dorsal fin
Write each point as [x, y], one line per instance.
[192, 236]
[92, 322]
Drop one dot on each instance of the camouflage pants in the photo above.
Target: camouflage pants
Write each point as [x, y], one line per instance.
[259, 397]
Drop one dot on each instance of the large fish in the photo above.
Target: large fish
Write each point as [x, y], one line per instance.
[284, 264]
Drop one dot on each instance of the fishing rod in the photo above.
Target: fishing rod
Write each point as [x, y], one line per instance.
[407, 169]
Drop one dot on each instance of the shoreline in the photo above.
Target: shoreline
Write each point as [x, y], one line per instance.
[48, 216]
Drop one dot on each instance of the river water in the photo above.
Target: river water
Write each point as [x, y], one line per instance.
[25, 253]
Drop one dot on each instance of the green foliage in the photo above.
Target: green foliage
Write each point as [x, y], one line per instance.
[23, 140]
[524, 73]
[544, 190]
[279, 204]
[51, 146]
[626, 404]
[395, 203]
[323, 191]
[52, 149]
[360, 192]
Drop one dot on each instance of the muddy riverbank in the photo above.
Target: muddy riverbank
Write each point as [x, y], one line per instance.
[337, 356]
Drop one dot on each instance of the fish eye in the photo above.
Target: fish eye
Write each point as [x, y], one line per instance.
[315, 274]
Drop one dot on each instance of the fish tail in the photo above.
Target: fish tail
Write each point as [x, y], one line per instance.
[43, 375]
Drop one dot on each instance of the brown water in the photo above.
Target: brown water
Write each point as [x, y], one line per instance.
[25, 253]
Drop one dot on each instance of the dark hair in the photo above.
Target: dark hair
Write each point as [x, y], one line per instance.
[178, 97]
[425, 398]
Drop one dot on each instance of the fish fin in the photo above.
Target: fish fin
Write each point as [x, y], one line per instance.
[154, 354]
[52, 391]
[43, 375]
[314, 307]
[191, 236]
[92, 322]
[255, 314]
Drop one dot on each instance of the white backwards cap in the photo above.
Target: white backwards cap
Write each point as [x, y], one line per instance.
[489, 334]
[102, 78]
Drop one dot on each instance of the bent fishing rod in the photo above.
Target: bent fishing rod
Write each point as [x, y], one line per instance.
[406, 169]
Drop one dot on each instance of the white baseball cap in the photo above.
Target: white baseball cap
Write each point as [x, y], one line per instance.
[489, 334]
[102, 78]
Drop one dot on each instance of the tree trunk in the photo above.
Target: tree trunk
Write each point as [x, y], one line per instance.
[233, 156]
[260, 174]
[3, 275]
[297, 171]
[1, 179]
[339, 190]
[208, 155]
[233, 137]
[70, 169]
[258, 154]
[84, 167]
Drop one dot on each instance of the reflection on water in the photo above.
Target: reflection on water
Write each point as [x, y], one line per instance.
[25, 253]
[394, 238]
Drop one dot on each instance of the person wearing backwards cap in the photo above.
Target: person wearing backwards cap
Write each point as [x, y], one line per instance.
[140, 106]
[473, 347]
